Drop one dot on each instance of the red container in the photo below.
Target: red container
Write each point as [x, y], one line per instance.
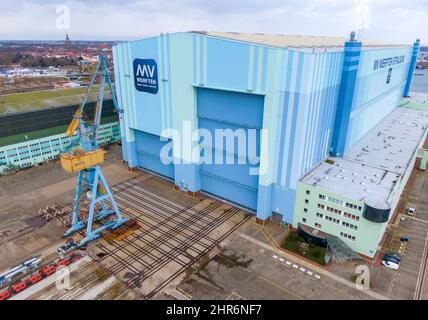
[74, 257]
[18, 287]
[47, 271]
[34, 278]
[63, 262]
[4, 295]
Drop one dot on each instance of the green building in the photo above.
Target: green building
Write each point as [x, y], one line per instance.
[354, 197]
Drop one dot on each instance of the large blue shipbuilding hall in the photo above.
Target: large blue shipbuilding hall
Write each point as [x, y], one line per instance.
[302, 98]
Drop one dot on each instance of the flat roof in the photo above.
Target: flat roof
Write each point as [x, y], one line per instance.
[292, 41]
[370, 169]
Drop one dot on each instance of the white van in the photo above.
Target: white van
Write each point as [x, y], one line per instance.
[390, 265]
[410, 211]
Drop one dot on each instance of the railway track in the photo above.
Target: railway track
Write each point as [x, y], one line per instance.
[217, 242]
[45, 262]
[170, 234]
[172, 230]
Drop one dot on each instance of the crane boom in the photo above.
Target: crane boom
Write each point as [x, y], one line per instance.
[79, 112]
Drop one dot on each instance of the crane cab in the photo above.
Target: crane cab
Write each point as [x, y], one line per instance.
[79, 160]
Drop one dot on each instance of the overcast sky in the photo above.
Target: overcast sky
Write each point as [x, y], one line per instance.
[393, 20]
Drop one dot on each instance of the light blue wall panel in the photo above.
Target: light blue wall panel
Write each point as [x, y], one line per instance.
[307, 119]
[147, 108]
[307, 113]
[377, 90]
[221, 57]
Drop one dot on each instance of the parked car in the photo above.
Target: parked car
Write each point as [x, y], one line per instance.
[390, 258]
[394, 255]
[66, 248]
[410, 211]
[390, 265]
[405, 238]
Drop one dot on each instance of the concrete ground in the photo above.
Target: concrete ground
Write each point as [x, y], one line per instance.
[22, 232]
[408, 282]
[251, 267]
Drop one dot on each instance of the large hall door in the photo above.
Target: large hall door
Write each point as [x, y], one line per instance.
[149, 154]
[218, 109]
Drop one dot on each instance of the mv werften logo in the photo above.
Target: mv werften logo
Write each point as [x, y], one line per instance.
[146, 75]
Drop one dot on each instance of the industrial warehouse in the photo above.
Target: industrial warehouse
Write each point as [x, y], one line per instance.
[334, 151]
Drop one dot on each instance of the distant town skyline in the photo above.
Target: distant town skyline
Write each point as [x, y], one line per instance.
[391, 20]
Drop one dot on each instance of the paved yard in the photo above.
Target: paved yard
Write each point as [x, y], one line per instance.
[408, 282]
[250, 269]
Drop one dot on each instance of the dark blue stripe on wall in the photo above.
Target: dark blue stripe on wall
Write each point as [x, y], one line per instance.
[295, 112]
[201, 60]
[194, 59]
[264, 68]
[285, 112]
[169, 80]
[345, 100]
[255, 67]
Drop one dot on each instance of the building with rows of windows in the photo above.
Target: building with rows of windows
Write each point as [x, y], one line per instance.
[353, 197]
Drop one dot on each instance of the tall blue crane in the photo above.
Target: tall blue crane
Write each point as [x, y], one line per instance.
[86, 160]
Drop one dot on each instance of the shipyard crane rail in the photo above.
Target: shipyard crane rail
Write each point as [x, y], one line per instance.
[86, 160]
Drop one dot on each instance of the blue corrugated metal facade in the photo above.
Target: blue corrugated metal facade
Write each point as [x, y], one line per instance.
[207, 82]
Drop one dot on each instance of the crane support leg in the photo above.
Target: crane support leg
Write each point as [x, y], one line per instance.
[100, 194]
[76, 224]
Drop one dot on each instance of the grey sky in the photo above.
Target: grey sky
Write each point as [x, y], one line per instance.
[393, 20]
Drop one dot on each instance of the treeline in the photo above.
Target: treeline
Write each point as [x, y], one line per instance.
[29, 61]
